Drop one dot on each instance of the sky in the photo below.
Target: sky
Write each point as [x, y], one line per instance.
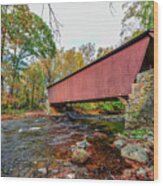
[85, 22]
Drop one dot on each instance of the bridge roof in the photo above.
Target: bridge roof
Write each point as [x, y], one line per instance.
[127, 44]
[108, 77]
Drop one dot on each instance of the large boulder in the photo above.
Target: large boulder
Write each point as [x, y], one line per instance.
[135, 152]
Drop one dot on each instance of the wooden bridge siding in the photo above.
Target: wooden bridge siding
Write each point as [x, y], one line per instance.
[112, 77]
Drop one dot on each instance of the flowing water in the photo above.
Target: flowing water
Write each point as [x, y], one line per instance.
[42, 147]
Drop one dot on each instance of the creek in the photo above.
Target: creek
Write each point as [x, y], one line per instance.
[42, 147]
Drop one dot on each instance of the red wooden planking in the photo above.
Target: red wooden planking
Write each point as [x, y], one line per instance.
[112, 77]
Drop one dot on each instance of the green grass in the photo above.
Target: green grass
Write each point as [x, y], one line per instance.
[14, 112]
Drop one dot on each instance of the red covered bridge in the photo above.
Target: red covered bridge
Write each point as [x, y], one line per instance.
[108, 77]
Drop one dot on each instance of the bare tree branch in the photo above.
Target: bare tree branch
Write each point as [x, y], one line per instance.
[42, 10]
[54, 24]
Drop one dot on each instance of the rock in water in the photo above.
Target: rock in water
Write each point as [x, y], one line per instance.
[20, 130]
[141, 172]
[119, 143]
[128, 172]
[34, 128]
[135, 152]
[70, 176]
[83, 144]
[80, 156]
[42, 170]
[100, 135]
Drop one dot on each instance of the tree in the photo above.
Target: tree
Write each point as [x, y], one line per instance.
[139, 16]
[47, 65]
[25, 38]
[33, 85]
[88, 52]
[67, 62]
[103, 51]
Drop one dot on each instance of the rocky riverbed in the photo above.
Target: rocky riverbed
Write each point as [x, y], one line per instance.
[58, 147]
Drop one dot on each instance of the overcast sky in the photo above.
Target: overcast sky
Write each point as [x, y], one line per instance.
[86, 22]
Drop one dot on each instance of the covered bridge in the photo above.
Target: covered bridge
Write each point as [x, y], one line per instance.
[108, 77]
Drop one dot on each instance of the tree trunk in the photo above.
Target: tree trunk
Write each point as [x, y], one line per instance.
[3, 46]
[3, 37]
[13, 83]
[14, 74]
[33, 91]
[2, 85]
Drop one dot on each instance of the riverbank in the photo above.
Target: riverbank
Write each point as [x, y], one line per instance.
[72, 115]
[22, 114]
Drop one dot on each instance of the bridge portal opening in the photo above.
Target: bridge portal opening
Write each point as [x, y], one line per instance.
[105, 107]
[100, 107]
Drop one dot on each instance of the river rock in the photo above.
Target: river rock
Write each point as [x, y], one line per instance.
[119, 143]
[141, 172]
[20, 130]
[83, 144]
[42, 170]
[121, 136]
[70, 176]
[80, 156]
[55, 171]
[128, 172]
[34, 128]
[135, 152]
[100, 135]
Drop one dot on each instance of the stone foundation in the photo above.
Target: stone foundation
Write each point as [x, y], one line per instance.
[140, 109]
